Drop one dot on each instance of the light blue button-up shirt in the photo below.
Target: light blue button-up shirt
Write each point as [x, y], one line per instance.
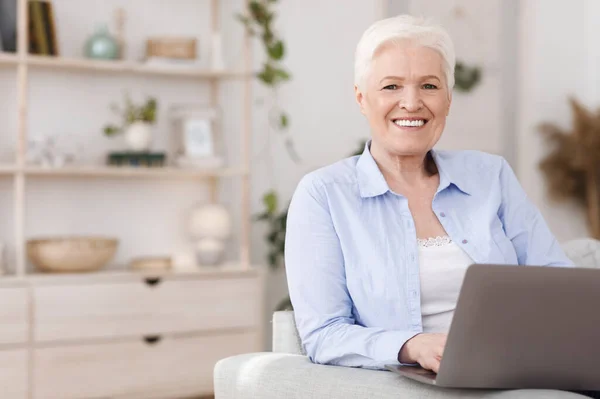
[351, 249]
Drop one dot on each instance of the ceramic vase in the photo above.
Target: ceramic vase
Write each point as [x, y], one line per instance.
[101, 45]
[138, 136]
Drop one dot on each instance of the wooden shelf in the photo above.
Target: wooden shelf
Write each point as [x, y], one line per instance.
[8, 59]
[122, 172]
[8, 169]
[124, 67]
[232, 269]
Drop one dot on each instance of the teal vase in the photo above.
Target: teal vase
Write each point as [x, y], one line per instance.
[101, 45]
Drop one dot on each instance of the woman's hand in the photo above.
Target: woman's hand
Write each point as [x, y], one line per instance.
[425, 349]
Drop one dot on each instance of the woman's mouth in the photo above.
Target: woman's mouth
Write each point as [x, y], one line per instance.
[409, 123]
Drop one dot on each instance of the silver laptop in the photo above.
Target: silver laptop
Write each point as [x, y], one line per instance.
[522, 327]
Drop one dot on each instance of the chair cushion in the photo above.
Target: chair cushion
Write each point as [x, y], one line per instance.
[279, 375]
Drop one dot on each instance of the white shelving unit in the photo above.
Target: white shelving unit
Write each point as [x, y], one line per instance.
[20, 171]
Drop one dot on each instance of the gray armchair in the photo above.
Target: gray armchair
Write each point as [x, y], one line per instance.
[288, 373]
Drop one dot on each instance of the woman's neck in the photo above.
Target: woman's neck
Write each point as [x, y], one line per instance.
[404, 171]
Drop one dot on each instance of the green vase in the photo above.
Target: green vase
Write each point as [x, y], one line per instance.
[101, 45]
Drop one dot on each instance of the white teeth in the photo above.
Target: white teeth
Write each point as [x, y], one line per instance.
[404, 122]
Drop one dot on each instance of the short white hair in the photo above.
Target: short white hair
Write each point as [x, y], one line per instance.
[420, 31]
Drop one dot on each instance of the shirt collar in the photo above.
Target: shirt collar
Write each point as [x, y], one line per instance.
[371, 182]
[451, 172]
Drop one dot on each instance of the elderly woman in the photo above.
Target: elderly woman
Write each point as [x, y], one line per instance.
[377, 245]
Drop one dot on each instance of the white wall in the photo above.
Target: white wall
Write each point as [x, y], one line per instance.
[559, 57]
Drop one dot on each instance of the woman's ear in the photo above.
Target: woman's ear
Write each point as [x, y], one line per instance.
[359, 98]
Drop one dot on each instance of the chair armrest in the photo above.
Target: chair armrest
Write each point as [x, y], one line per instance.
[280, 375]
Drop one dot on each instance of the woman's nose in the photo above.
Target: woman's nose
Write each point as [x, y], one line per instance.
[410, 100]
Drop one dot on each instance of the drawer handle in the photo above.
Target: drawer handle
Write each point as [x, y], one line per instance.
[152, 339]
[152, 280]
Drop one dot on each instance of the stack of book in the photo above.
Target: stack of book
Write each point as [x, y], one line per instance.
[42, 30]
[137, 159]
[8, 25]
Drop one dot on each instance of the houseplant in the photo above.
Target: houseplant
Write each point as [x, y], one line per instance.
[137, 121]
[259, 20]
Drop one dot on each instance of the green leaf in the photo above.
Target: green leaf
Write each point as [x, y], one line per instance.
[111, 130]
[267, 75]
[261, 217]
[272, 237]
[283, 121]
[282, 74]
[273, 259]
[281, 243]
[258, 12]
[270, 201]
[268, 37]
[276, 51]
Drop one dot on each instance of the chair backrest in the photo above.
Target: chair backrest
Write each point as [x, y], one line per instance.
[584, 252]
[285, 334]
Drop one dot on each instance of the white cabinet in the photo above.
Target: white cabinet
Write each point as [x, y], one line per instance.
[136, 308]
[170, 367]
[13, 373]
[127, 336]
[13, 315]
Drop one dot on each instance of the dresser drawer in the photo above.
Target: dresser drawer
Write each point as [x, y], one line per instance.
[136, 308]
[13, 373]
[169, 368]
[13, 315]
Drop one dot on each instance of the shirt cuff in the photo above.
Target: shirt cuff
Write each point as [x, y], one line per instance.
[391, 343]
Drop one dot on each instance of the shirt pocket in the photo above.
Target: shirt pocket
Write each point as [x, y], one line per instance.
[503, 244]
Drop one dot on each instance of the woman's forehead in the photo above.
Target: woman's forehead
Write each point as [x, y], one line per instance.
[406, 61]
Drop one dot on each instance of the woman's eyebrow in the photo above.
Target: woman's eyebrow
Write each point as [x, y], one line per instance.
[401, 78]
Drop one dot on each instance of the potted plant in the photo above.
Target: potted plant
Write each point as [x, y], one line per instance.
[137, 121]
[572, 166]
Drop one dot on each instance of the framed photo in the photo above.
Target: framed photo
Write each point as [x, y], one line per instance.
[196, 141]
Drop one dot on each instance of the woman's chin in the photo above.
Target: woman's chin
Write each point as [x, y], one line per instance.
[409, 144]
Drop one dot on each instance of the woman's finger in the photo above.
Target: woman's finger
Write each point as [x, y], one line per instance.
[435, 365]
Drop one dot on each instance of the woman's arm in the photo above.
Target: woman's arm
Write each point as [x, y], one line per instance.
[524, 225]
[318, 291]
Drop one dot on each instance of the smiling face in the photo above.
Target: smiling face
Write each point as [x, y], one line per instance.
[405, 99]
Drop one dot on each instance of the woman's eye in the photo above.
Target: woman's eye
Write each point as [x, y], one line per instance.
[390, 87]
[429, 86]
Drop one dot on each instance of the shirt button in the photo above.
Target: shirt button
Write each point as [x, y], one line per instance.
[443, 214]
[464, 241]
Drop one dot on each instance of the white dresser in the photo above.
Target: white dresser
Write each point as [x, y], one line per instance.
[125, 334]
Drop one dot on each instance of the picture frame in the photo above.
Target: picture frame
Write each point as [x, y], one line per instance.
[196, 140]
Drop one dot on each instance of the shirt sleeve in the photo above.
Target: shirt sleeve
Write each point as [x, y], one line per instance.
[318, 291]
[524, 225]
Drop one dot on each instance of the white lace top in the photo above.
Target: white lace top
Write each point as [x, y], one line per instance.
[442, 266]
